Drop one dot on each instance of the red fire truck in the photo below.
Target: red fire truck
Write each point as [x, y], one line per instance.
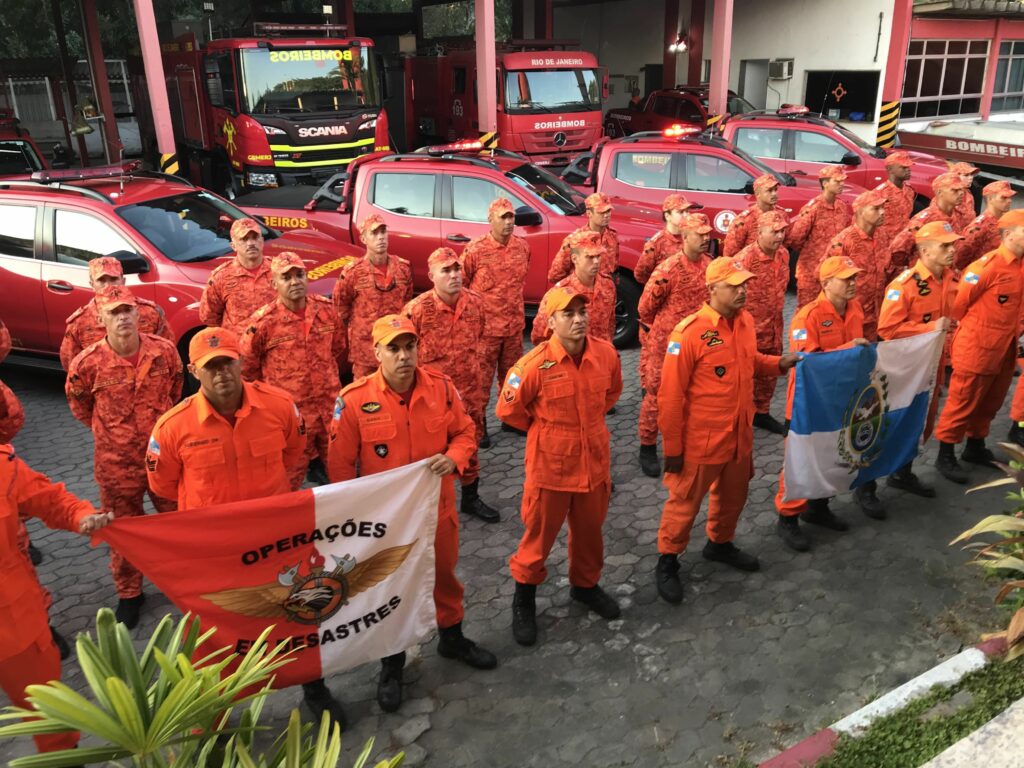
[252, 113]
[549, 101]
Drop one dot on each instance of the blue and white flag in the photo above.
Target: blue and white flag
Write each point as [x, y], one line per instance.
[858, 414]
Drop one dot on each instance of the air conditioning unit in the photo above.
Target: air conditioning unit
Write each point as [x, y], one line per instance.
[780, 69]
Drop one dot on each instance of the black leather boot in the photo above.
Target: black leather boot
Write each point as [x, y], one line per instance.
[524, 614]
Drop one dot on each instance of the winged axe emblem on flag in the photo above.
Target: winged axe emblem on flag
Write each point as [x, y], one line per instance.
[315, 596]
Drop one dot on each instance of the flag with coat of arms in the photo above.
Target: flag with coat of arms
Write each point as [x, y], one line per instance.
[858, 413]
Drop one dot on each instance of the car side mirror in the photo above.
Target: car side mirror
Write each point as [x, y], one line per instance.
[748, 188]
[528, 217]
[131, 262]
[850, 158]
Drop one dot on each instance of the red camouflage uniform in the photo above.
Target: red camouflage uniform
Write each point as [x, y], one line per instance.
[362, 295]
[84, 327]
[964, 214]
[233, 293]
[676, 290]
[902, 248]
[743, 229]
[810, 234]
[899, 207]
[980, 236]
[863, 250]
[765, 297]
[656, 250]
[497, 273]
[299, 354]
[120, 402]
[600, 309]
[561, 266]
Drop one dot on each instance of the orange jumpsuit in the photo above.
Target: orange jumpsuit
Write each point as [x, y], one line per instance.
[660, 247]
[706, 413]
[743, 229]
[84, 328]
[497, 273]
[27, 653]
[965, 213]
[380, 429]
[600, 308]
[676, 290]
[810, 234]
[902, 247]
[120, 402]
[816, 327]
[899, 207]
[299, 354]
[561, 265]
[561, 402]
[980, 236]
[450, 339]
[864, 251]
[197, 457]
[363, 294]
[233, 293]
[913, 303]
[988, 307]
[766, 295]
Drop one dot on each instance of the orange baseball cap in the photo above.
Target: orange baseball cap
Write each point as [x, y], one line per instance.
[442, 257]
[500, 206]
[869, 198]
[765, 181]
[115, 296]
[938, 231]
[105, 265]
[588, 243]
[210, 343]
[598, 202]
[560, 297]
[962, 169]
[1014, 218]
[948, 180]
[371, 223]
[899, 157]
[388, 328]
[837, 266]
[242, 227]
[678, 202]
[998, 188]
[726, 270]
[697, 222]
[832, 172]
[774, 219]
[286, 260]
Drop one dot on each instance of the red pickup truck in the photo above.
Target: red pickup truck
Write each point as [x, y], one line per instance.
[440, 197]
[665, 107]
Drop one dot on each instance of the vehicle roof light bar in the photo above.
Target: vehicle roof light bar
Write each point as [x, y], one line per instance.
[787, 110]
[457, 146]
[84, 174]
[677, 130]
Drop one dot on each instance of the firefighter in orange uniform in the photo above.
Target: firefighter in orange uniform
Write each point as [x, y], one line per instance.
[812, 230]
[669, 241]
[495, 267]
[376, 285]
[599, 216]
[964, 213]
[918, 301]
[832, 321]
[586, 279]
[899, 201]
[767, 260]
[83, 326]
[559, 393]
[743, 230]
[949, 191]
[398, 415]
[450, 323]
[118, 387]
[28, 655]
[982, 234]
[859, 243]
[295, 343]
[988, 308]
[705, 413]
[233, 440]
[237, 289]
[676, 290]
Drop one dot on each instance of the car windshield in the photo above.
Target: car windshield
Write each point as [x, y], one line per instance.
[308, 80]
[542, 91]
[849, 135]
[548, 188]
[190, 227]
[17, 157]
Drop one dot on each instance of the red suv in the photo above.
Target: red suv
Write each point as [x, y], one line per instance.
[682, 105]
[168, 235]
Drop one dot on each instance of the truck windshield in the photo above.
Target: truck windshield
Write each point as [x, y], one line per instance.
[190, 227]
[308, 80]
[540, 91]
[18, 157]
[548, 188]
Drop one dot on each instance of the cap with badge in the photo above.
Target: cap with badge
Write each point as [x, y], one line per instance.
[115, 296]
[868, 199]
[372, 223]
[774, 219]
[937, 232]
[285, 261]
[588, 243]
[899, 157]
[242, 227]
[838, 266]
[697, 222]
[998, 189]
[559, 298]
[500, 206]
[832, 172]
[948, 180]
[765, 181]
[677, 201]
[442, 257]
[598, 202]
[210, 343]
[963, 169]
[388, 328]
[728, 271]
[105, 266]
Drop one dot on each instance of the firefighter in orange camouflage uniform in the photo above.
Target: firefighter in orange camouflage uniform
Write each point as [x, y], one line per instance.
[743, 229]
[599, 216]
[376, 285]
[812, 230]
[587, 280]
[237, 289]
[119, 387]
[669, 241]
[982, 234]
[899, 200]
[294, 343]
[965, 212]
[949, 191]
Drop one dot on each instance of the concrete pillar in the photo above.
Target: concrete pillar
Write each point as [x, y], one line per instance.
[721, 50]
[486, 64]
[156, 86]
[101, 86]
[989, 85]
[895, 70]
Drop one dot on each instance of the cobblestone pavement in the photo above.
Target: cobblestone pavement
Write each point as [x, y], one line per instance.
[748, 664]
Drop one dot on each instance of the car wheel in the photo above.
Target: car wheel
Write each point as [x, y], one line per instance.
[627, 317]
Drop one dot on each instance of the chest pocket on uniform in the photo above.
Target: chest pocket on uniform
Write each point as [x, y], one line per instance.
[375, 433]
[204, 460]
[268, 450]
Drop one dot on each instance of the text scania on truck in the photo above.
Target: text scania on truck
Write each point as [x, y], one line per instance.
[253, 113]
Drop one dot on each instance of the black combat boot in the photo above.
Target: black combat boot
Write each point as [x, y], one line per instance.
[975, 452]
[472, 504]
[389, 684]
[869, 502]
[818, 513]
[666, 578]
[948, 466]
[905, 479]
[730, 554]
[319, 699]
[128, 608]
[524, 614]
[597, 600]
[649, 463]
[452, 644]
[788, 528]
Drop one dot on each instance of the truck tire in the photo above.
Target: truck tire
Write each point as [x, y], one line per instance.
[225, 182]
[627, 317]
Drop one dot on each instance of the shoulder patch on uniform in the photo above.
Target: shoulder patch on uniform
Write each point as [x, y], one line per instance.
[674, 348]
[971, 277]
[892, 295]
[799, 334]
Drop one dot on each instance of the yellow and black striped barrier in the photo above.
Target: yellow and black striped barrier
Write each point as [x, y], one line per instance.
[489, 140]
[169, 164]
[888, 119]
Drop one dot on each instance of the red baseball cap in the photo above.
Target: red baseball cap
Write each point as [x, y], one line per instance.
[697, 222]
[588, 243]
[242, 227]
[869, 198]
[105, 265]
[948, 180]
[962, 169]
[678, 202]
[899, 157]
[837, 266]
[286, 260]
[388, 328]
[774, 219]
[998, 188]
[442, 257]
[598, 202]
[560, 297]
[115, 296]
[372, 223]
[832, 172]
[500, 206]
[765, 181]
[210, 343]
[726, 270]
